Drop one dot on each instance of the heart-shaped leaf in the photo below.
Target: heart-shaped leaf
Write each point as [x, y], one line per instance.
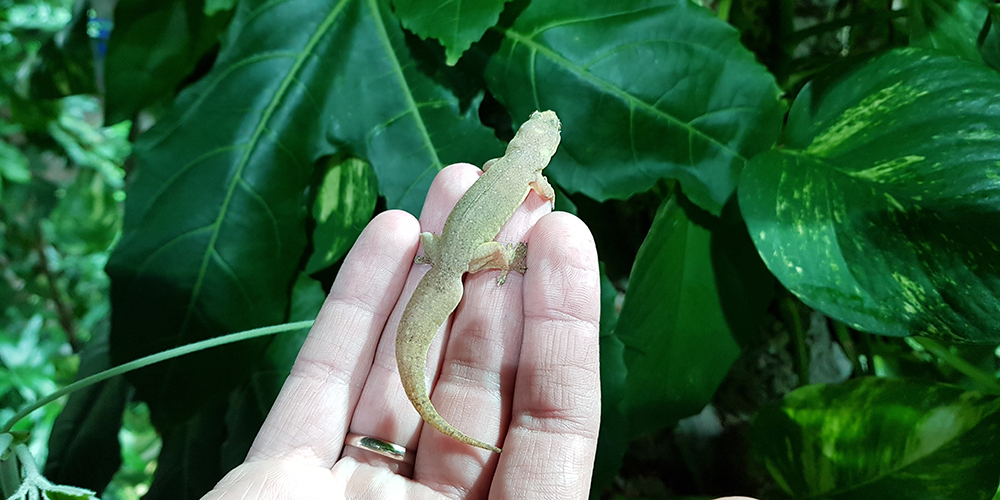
[678, 346]
[883, 207]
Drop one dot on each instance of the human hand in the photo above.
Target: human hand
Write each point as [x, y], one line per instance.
[520, 369]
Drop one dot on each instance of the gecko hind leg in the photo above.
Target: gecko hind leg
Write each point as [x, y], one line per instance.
[432, 249]
[503, 256]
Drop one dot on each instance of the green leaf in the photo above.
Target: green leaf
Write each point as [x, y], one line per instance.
[614, 436]
[344, 205]
[678, 346]
[101, 148]
[66, 61]
[153, 48]
[140, 450]
[645, 89]
[989, 49]
[885, 439]
[69, 493]
[307, 299]
[746, 288]
[87, 219]
[215, 218]
[950, 26]
[457, 24]
[13, 164]
[882, 208]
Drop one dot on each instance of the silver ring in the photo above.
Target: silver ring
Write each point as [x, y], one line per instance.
[384, 448]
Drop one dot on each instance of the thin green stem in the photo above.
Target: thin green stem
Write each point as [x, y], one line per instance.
[986, 380]
[151, 359]
[798, 339]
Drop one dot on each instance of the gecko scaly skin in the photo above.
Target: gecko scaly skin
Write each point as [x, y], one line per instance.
[466, 245]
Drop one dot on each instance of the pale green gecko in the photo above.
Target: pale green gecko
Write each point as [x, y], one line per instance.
[466, 245]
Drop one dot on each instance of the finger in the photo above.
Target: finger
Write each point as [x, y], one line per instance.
[384, 412]
[309, 419]
[476, 382]
[549, 450]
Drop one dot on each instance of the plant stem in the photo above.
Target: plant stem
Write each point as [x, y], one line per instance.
[798, 339]
[151, 359]
[63, 310]
[988, 381]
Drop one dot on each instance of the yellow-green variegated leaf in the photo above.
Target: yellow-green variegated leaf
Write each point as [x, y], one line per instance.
[883, 207]
[881, 439]
[344, 205]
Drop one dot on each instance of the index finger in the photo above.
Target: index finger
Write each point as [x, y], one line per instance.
[556, 412]
[309, 419]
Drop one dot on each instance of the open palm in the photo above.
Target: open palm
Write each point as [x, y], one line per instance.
[518, 366]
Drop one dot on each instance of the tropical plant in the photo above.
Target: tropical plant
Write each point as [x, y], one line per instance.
[797, 206]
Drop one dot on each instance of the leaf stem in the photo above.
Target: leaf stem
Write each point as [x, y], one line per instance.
[798, 339]
[151, 359]
[63, 310]
[988, 381]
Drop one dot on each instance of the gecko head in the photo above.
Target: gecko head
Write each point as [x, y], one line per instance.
[546, 127]
[547, 117]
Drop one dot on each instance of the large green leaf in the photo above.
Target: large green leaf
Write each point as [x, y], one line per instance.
[153, 48]
[678, 346]
[215, 216]
[883, 208]
[645, 89]
[456, 24]
[883, 439]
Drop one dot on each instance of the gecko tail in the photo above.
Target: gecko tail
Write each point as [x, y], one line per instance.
[430, 415]
[411, 356]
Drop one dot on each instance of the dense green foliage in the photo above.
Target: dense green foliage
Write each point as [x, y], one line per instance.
[222, 157]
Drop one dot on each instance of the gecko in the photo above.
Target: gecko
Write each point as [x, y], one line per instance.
[466, 245]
